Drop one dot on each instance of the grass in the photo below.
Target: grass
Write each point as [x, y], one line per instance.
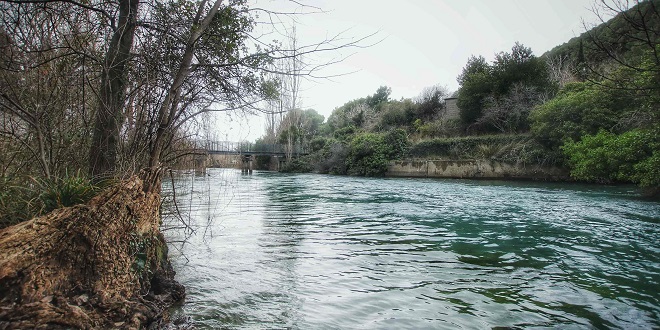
[23, 198]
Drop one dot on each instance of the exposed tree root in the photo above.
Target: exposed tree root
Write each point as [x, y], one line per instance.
[99, 265]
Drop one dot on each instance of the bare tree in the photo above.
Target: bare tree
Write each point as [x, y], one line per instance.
[626, 27]
[562, 69]
[509, 114]
[45, 67]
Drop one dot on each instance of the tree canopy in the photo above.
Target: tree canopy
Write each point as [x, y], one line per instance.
[484, 85]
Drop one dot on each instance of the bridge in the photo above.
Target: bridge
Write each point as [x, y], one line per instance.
[249, 148]
[247, 151]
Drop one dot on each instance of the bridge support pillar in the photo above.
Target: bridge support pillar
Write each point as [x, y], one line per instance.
[200, 163]
[246, 164]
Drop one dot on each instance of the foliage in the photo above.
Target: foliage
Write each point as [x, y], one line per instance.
[483, 85]
[519, 67]
[368, 155]
[397, 143]
[317, 144]
[17, 202]
[510, 113]
[397, 114]
[332, 158]
[457, 147]
[364, 153]
[345, 133]
[360, 113]
[297, 165]
[381, 96]
[300, 126]
[579, 109]
[633, 29]
[25, 198]
[431, 103]
[66, 191]
[607, 157]
[647, 173]
[519, 149]
[476, 85]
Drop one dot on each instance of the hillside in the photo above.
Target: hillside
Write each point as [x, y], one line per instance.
[615, 35]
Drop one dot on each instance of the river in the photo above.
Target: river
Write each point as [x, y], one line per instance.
[306, 251]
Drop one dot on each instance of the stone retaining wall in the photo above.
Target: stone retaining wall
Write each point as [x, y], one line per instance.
[473, 169]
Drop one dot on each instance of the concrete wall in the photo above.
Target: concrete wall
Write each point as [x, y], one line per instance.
[473, 169]
[451, 108]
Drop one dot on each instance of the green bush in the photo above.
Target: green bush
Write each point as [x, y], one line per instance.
[368, 155]
[529, 151]
[579, 109]
[397, 143]
[317, 144]
[606, 157]
[345, 133]
[647, 173]
[393, 116]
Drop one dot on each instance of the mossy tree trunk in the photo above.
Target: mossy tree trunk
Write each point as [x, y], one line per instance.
[99, 265]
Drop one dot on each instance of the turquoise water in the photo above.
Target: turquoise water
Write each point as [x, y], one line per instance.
[273, 251]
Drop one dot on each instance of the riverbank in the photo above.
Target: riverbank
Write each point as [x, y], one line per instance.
[103, 264]
[474, 169]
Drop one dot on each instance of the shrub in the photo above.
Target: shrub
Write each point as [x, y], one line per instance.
[397, 143]
[367, 155]
[606, 157]
[395, 114]
[579, 109]
[345, 133]
[520, 149]
[317, 144]
[332, 158]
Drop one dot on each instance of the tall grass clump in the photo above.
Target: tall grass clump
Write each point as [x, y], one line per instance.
[22, 199]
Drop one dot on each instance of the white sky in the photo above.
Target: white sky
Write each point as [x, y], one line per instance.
[425, 43]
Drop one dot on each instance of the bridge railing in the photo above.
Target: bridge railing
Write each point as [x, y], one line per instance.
[248, 147]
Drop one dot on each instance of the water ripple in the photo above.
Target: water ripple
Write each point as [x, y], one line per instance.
[313, 251]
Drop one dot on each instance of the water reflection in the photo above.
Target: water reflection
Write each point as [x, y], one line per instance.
[312, 251]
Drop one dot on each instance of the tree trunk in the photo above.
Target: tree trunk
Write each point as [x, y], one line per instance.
[99, 265]
[109, 117]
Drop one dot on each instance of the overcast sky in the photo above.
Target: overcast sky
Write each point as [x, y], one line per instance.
[424, 43]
